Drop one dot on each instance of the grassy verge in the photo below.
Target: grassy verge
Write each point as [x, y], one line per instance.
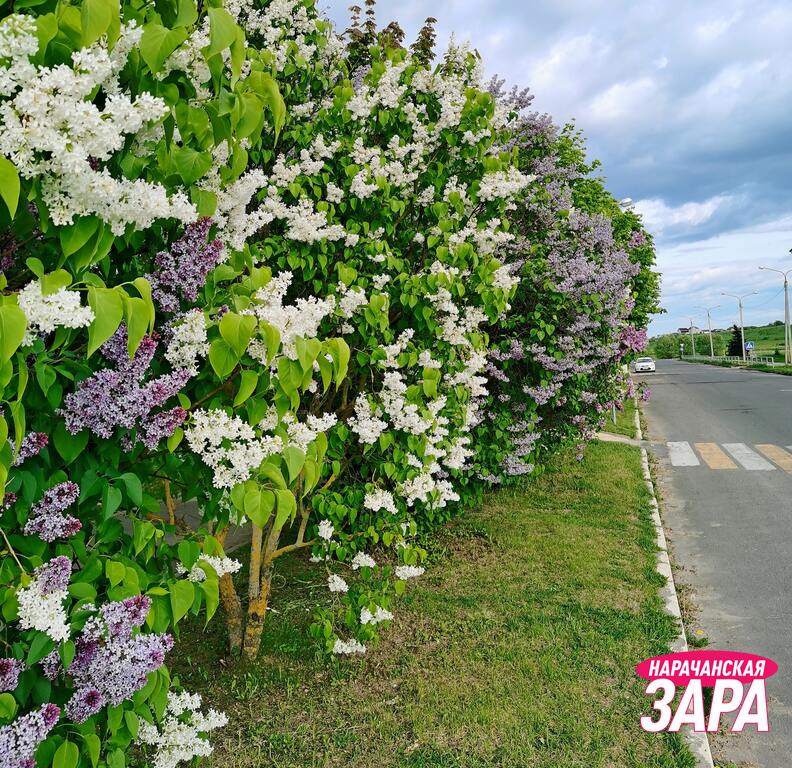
[625, 421]
[516, 648]
[779, 369]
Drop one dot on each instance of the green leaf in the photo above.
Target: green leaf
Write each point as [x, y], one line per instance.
[54, 281]
[287, 508]
[12, 330]
[182, 594]
[294, 459]
[265, 85]
[8, 706]
[136, 314]
[132, 722]
[237, 330]
[94, 748]
[222, 31]
[75, 236]
[115, 572]
[134, 487]
[111, 500]
[66, 756]
[96, 17]
[109, 310]
[69, 446]
[158, 43]
[222, 358]
[42, 645]
[247, 386]
[190, 164]
[258, 506]
[9, 185]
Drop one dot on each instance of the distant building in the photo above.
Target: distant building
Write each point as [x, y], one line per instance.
[692, 329]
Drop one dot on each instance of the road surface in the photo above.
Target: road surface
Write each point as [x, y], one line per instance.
[723, 441]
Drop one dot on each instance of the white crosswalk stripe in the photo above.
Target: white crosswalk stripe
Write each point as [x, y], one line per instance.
[747, 457]
[682, 455]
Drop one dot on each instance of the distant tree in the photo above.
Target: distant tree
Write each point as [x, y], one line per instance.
[423, 47]
[735, 343]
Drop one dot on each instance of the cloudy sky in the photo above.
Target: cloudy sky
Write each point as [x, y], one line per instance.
[687, 104]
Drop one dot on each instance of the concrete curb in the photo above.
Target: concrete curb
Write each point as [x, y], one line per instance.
[698, 743]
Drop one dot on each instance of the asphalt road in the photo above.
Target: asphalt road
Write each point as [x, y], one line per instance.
[729, 521]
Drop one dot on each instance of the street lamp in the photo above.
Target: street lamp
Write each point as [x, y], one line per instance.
[692, 336]
[787, 329]
[709, 326]
[742, 326]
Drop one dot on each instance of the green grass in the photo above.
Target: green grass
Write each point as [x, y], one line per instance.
[516, 649]
[781, 370]
[766, 338]
[625, 420]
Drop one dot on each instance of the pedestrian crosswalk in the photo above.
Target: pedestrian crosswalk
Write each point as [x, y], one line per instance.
[762, 457]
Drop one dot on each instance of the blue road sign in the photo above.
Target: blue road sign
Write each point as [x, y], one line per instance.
[749, 345]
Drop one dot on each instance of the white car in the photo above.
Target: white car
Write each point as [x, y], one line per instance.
[644, 364]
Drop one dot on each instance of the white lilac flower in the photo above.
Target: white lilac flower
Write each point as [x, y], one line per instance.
[379, 615]
[43, 611]
[46, 313]
[348, 647]
[229, 446]
[380, 499]
[326, 530]
[188, 341]
[366, 423]
[336, 584]
[405, 572]
[180, 736]
[362, 560]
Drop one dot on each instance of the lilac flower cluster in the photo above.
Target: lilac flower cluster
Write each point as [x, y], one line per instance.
[54, 575]
[10, 670]
[19, 740]
[32, 444]
[578, 282]
[632, 339]
[47, 519]
[183, 269]
[112, 661]
[120, 398]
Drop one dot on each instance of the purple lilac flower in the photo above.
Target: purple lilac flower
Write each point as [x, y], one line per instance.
[51, 665]
[118, 397]
[183, 269]
[637, 238]
[84, 703]
[163, 425]
[32, 444]
[122, 617]
[20, 739]
[9, 499]
[47, 518]
[110, 659]
[10, 670]
[54, 575]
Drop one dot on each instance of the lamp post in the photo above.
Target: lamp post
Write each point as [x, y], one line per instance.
[787, 329]
[709, 326]
[742, 325]
[692, 336]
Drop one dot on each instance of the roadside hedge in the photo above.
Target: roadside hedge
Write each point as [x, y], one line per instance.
[326, 291]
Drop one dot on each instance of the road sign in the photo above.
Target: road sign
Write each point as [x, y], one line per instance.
[749, 345]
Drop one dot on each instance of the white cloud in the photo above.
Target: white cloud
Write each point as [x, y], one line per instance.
[711, 30]
[627, 101]
[658, 216]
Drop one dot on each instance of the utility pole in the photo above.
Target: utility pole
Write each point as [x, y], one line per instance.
[709, 326]
[742, 325]
[787, 329]
[692, 336]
